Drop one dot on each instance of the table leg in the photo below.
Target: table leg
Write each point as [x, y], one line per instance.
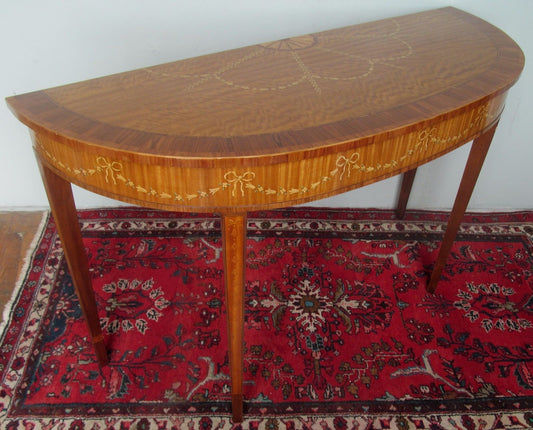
[405, 190]
[479, 150]
[63, 209]
[233, 244]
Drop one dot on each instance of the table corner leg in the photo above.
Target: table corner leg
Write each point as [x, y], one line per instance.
[233, 244]
[63, 208]
[476, 157]
[405, 190]
[236, 408]
[101, 351]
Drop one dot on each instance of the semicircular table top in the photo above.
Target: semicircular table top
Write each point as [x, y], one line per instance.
[303, 92]
[273, 125]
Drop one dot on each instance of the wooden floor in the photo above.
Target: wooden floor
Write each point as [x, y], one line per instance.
[17, 230]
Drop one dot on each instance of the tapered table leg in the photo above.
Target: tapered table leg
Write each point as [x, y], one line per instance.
[63, 209]
[233, 244]
[405, 190]
[479, 150]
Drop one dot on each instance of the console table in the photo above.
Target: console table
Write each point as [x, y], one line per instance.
[273, 125]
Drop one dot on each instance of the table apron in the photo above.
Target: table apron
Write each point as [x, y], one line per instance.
[157, 183]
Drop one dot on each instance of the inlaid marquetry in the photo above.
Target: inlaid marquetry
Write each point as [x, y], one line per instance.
[272, 185]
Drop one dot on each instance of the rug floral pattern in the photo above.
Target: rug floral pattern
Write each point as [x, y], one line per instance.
[339, 330]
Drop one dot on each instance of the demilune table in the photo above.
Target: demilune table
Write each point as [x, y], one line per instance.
[273, 125]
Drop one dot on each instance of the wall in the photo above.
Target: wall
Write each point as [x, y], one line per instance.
[52, 42]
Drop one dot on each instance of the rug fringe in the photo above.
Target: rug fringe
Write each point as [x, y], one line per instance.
[8, 308]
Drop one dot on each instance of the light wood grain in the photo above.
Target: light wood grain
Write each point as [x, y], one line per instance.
[285, 96]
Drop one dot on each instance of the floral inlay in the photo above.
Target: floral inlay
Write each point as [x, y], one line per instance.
[305, 71]
[240, 182]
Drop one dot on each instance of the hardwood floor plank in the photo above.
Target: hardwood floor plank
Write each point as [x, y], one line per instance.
[17, 230]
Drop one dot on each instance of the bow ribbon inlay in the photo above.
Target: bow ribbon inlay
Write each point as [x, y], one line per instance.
[241, 180]
[109, 167]
[347, 164]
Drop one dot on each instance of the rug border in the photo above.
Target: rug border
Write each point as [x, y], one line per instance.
[7, 312]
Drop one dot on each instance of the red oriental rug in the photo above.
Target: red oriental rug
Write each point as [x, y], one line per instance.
[339, 333]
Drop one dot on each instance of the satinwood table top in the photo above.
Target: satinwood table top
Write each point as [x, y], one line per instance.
[287, 96]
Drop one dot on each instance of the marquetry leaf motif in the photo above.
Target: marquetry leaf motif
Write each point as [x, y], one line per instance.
[238, 183]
